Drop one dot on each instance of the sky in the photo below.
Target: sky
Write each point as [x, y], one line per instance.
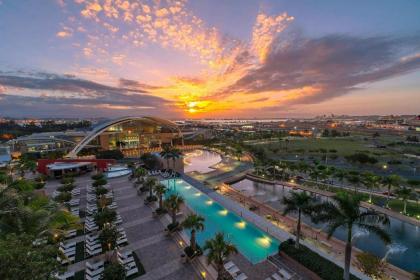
[209, 58]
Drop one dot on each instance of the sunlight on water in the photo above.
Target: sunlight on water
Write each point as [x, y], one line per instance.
[264, 241]
[223, 212]
[240, 225]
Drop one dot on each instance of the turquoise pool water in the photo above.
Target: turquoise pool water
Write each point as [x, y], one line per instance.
[253, 243]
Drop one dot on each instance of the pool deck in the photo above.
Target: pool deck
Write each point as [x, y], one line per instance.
[159, 253]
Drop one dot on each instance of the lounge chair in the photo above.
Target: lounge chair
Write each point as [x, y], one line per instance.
[233, 270]
[229, 264]
[241, 276]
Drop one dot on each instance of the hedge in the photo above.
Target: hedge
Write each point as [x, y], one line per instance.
[322, 267]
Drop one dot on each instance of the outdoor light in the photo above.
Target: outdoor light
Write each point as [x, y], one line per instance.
[203, 274]
[385, 166]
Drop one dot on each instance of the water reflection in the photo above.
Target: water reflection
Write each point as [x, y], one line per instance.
[404, 251]
[200, 161]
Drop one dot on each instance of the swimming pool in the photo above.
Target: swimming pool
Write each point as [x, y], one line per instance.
[252, 242]
[117, 171]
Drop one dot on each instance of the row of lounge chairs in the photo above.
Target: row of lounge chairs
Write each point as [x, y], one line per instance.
[163, 173]
[93, 246]
[94, 270]
[280, 275]
[68, 251]
[234, 271]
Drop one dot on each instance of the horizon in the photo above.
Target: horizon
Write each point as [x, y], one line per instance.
[201, 60]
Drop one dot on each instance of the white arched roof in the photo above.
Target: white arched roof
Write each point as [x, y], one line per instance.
[103, 127]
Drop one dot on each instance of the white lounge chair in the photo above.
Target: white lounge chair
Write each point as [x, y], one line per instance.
[241, 276]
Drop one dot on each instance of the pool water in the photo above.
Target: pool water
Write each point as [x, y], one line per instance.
[117, 171]
[253, 243]
[404, 252]
[201, 161]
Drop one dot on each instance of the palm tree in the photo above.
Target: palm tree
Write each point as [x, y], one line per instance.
[371, 181]
[194, 223]
[355, 180]
[139, 173]
[160, 190]
[166, 153]
[219, 249]
[150, 184]
[391, 181]
[345, 212]
[299, 202]
[340, 175]
[175, 154]
[404, 193]
[173, 204]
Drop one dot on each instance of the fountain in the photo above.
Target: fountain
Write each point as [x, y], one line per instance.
[359, 233]
[394, 249]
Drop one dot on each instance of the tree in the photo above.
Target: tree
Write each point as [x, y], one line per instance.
[194, 223]
[355, 180]
[173, 204]
[298, 202]
[404, 194]
[160, 190]
[371, 181]
[345, 212]
[219, 249]
[109, 236]
[166, 153]
[340, 175]
[391, 181]
[175, 154]
[114, 271]
[139, 174]
[20, 259]
[106, 216]
[150, 183]
[371, 265]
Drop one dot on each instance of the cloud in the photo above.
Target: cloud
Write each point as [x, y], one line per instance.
[65, 32]
[45, 91]
[322, 68]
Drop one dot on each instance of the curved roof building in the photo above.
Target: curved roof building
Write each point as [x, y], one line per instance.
[131, 135]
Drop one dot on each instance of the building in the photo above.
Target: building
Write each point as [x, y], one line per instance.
[133, 136]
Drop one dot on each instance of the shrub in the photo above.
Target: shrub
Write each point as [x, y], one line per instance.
[114, 271]
[67, 180]
[151, 198]
[98, 176]
[105, 216]
[100, 182]
[172, 227]
[190, 253]
[101, 191]
[311, 260]
[65, 188]
[361, 158]
[63, 197]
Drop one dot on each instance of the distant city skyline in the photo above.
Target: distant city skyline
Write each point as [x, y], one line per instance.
[209, 59]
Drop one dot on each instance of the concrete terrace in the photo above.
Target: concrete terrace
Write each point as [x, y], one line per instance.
[159, 253]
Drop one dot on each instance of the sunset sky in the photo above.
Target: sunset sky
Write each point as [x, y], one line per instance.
[208, 58]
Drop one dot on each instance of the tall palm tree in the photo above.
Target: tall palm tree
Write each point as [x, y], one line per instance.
[340, 175]
[166, 153]
[298, 202]
[355, 180]
[219, 249]
[173, 204]
[160, 190]
[139, 173]
[371, 181]
[150, 184]
[404, 194]
[194, 223]
[345, 212]
[391, 181]
[174, 155]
